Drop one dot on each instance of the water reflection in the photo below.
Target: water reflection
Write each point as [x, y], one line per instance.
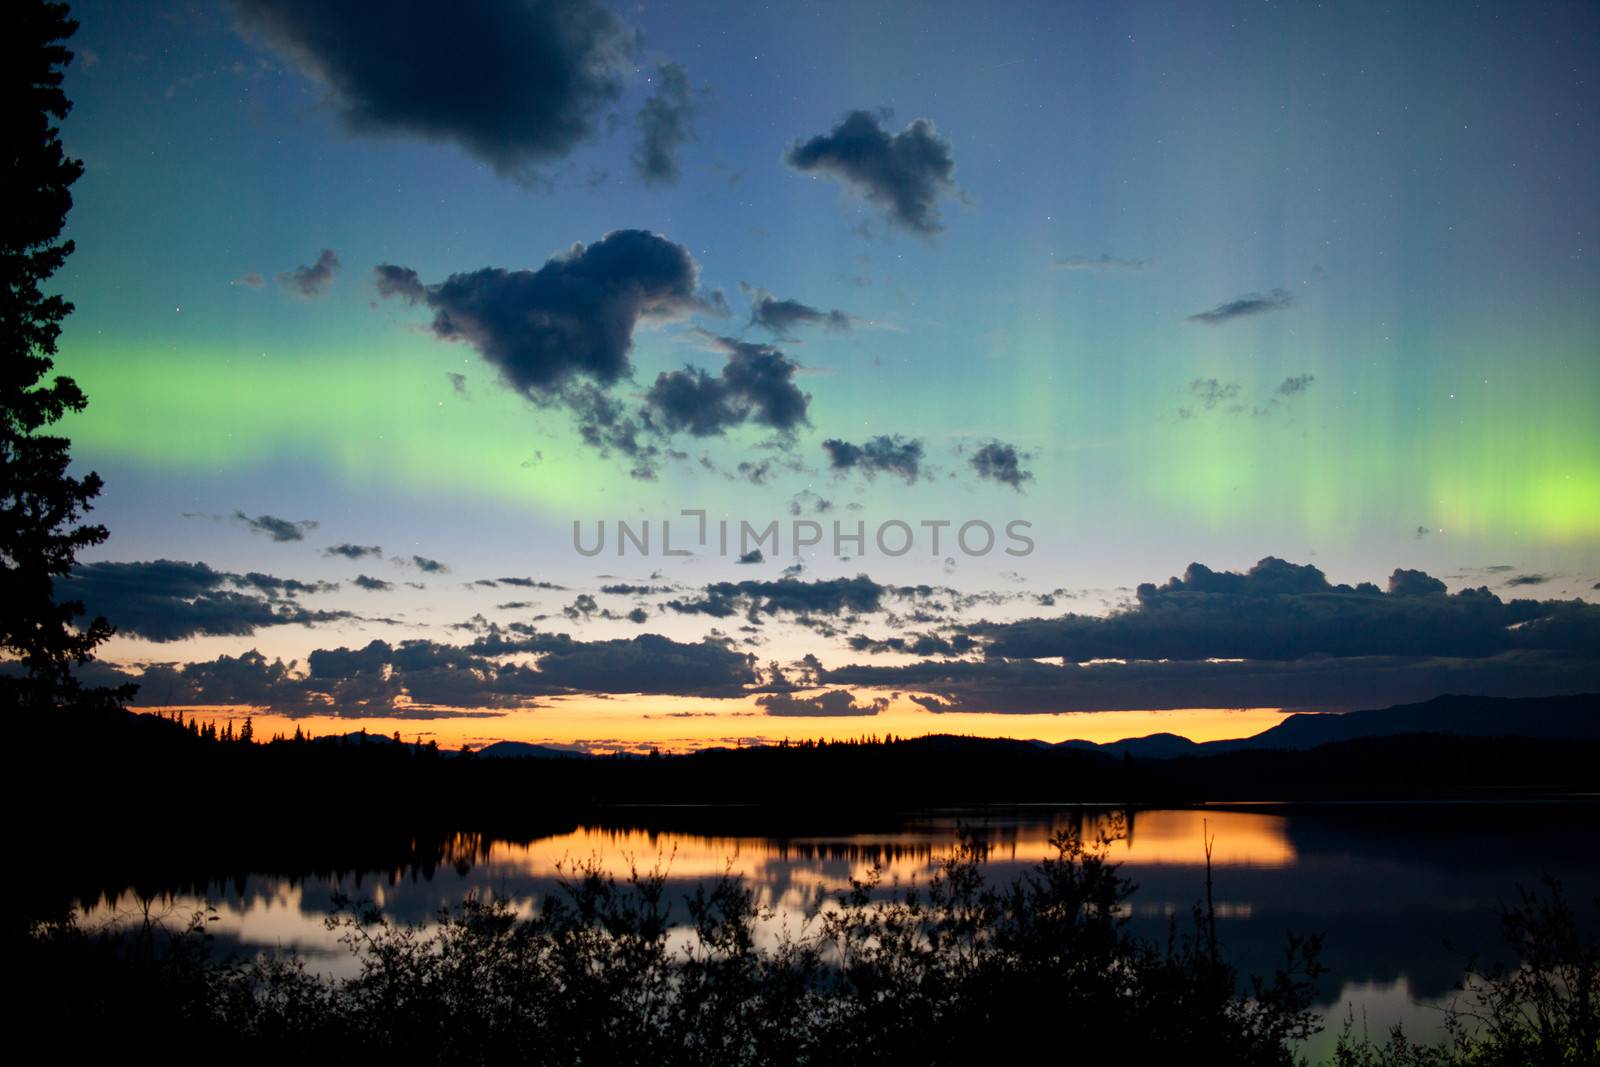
[1392, 888]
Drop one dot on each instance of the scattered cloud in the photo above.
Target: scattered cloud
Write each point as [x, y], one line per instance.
[1099, 264]
[833, 703]
[168, 600]
[666, 122]
[515, 84]
[276, 528]
[1244, 306]
[881, 454]
[349, 551]
[313, 281]
[1000, 462]
[903, 174]
[756, 384]
[780, 317]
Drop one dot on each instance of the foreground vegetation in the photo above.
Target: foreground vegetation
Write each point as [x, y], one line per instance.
[608, 971]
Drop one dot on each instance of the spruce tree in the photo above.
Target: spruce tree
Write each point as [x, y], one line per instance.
[40, 501]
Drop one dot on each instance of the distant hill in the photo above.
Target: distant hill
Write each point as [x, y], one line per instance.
[524, 750]
[1575, 718]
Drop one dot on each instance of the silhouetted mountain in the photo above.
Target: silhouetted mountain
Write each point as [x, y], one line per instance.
[1151, 746]
[1574, 717]
[1554, 718]
[524, 750]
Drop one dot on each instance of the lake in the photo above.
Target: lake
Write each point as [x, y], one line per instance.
[1401, 893]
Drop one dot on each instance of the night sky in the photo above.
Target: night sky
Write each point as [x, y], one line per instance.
[374, 301]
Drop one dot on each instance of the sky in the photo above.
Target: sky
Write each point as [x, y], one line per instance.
[383, 309]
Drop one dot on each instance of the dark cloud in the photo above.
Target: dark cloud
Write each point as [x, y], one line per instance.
[648, 663]
[835, 702]
[525, 583]
[893, 455]
[779, 317]
[401, 282]
[666, 122]
[1001, 463]
[167, 600]
[1314, 683]
[428, 566]
[756, 384]
[276, 528]
[573, 317]
[752, 556]
[1099, 264]
[1528, 579]
[349, 551]
[282, 587]
[904, 174]
[313, 281]
[832, 596]
[513, 82]
[458, 382]
[1296, 385]
[926, 644]
[1250, 304]
[1283, 611]
[372, 585]
[250, 280]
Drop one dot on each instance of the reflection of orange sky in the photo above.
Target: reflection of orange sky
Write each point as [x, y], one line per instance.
[1158, 838]
[681, 723]
[787, 876]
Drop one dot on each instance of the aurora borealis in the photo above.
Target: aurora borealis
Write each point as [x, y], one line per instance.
[1229, 281]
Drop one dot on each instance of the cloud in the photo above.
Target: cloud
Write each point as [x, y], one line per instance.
[1284, 611]
[923, 644]
[313, 281]
[513, 82]
[1099, 264]
[1211, 392]
[751, 557]
[666, 122]
[881, 454]
[250, 280]
[1318, 683]
[276, 528]
[836, 702]
[756, 384]
[1528, 579]
[903, 174]
[1250, 304]
[401, 282]
[648, 663]
[571, 319]
[372, 585]
[167, 600]
[428, 566]
[1296, 385]
[831, 596]
[349, 551]
[1001, 463]
[779, 317]
[522, 583]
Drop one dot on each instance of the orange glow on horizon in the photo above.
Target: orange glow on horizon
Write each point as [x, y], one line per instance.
[680, 724]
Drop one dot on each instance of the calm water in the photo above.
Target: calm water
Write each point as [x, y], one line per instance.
[1402, 894]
